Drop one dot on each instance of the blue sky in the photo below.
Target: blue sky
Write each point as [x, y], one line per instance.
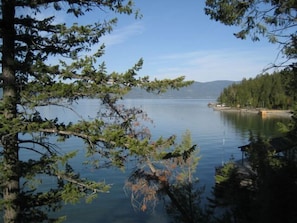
[176, 38]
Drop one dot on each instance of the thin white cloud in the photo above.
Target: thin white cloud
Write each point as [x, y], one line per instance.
[224, 64]
[121, 35]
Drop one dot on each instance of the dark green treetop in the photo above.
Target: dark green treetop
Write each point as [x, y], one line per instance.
[272, 91]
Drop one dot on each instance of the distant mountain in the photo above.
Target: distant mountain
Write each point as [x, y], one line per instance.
[198, 90]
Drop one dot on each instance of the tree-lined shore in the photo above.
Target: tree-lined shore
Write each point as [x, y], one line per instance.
[270, 91]
[164, 167]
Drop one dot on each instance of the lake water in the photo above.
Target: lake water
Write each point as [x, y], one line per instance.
[217, 134]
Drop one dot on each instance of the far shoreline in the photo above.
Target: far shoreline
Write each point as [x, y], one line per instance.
[263, 112]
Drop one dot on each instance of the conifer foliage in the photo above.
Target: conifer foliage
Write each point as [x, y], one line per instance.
[47, 63]
[274, 20]
[273, 91]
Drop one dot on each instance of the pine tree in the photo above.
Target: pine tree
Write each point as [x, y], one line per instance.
[169, 173]
[29, 42]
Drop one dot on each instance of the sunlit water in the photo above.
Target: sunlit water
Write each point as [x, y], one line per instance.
[217, 134]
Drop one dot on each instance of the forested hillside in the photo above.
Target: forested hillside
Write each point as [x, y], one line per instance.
[265, 91]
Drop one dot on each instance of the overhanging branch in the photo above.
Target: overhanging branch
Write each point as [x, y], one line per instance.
[80, 183]
[71, 133]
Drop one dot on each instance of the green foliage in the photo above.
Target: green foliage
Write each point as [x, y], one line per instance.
[264, 91]
[275, 20]
[168, 172]
[273, 195]
[225, 173]
[270, 195]
[46, 63]
[189, 154]
[184, 191]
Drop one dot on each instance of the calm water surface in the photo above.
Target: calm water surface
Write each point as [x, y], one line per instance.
[217, 134]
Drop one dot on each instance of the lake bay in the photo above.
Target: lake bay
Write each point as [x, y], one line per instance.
[217, 135]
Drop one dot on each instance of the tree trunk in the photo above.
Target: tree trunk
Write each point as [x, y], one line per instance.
[10, 95]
